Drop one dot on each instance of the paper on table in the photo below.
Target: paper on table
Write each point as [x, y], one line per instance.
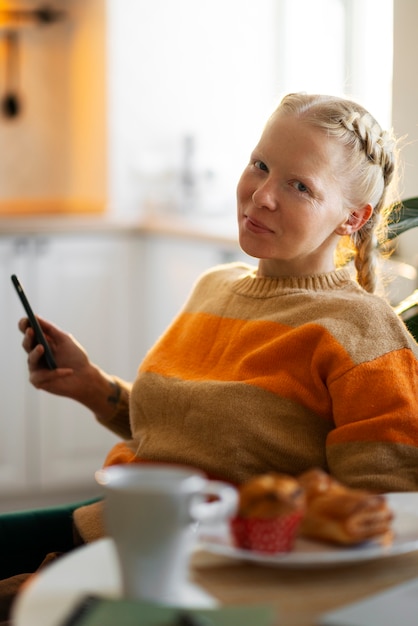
[397, 605]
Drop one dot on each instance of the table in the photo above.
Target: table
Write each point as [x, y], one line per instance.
[299, 596]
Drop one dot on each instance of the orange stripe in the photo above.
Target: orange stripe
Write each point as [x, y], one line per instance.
[391, 401]
[120, 454]
[201, 346]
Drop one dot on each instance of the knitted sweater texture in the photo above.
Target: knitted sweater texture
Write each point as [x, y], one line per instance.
[264, 374]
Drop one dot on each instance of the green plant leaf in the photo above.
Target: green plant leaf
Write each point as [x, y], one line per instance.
[405, 217]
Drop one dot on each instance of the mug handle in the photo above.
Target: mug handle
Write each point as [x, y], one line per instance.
[223, 507]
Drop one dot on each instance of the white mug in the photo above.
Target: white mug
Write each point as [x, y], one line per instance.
[151, 513]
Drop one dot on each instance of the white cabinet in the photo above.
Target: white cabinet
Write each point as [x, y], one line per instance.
[84, 284]
[14, 438]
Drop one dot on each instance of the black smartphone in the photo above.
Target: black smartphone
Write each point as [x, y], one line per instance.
[40, 337]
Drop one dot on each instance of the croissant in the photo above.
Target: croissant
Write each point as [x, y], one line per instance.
[316, 483]
[343, 515]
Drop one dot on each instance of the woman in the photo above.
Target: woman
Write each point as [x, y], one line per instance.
[290, 364]
[284, 366]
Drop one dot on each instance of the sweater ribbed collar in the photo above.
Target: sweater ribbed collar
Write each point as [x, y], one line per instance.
[249, 284]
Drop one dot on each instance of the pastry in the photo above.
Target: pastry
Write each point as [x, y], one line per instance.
[270, 510]
[270, 495]
[316, 482]
[342, 515]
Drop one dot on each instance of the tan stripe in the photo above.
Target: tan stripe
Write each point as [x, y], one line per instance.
[379, 466]
[234, 430]
[344, 313]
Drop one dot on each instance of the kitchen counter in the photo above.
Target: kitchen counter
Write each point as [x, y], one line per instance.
[219, 229]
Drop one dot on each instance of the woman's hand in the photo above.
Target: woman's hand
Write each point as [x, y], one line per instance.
[73, 365]
[75, 376]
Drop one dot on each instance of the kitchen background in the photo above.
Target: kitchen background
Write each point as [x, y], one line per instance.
[118, 174]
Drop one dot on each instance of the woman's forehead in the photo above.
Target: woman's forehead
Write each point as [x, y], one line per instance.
[296, 139]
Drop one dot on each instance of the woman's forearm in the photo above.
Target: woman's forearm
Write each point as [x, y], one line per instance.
[108, 398]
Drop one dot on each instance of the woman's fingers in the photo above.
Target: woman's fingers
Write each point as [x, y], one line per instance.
[28, 339]
[71, 358]
[23, 324]
[35, 354]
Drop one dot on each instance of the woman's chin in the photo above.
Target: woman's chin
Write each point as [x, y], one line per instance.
[253, 248]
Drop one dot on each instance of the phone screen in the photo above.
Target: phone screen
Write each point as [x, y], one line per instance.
[40, 337]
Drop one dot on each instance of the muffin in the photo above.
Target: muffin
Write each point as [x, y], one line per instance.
[271, 507]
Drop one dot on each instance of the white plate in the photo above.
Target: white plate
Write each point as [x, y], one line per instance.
[315, 554]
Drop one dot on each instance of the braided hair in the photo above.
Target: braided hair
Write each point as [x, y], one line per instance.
[369, 173]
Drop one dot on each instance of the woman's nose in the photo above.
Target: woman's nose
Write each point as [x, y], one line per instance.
[265, 197]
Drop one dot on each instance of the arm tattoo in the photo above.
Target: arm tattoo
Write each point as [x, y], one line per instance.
[114, 397]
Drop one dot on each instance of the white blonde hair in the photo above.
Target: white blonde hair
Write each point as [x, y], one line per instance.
[369, 172]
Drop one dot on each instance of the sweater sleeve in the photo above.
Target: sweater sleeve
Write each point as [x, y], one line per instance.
[375, 441]
[119, 421]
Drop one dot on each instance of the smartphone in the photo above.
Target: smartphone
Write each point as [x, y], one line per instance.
[40, 337]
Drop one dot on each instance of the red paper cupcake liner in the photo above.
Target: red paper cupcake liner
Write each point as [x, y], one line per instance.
[266, 535]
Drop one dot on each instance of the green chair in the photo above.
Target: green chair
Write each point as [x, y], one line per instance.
[26, 537]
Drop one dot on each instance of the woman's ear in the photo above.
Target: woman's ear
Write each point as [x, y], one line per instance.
[356, 219]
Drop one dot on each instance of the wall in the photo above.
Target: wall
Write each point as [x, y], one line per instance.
[214, 70]
[204, 69]
[404, 108]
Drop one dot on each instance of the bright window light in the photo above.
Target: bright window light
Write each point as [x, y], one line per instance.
[329, 46]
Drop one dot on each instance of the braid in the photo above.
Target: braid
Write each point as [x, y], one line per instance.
[378, 147]
[366, 243]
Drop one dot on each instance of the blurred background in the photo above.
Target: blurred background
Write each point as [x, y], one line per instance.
[119, 98]
[124, 126]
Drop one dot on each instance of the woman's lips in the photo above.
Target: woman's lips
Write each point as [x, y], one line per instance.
[255, 226]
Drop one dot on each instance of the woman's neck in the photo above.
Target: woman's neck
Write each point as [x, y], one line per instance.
[274, 268]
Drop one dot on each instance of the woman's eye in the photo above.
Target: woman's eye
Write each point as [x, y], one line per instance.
[300, 186]
[261, 166]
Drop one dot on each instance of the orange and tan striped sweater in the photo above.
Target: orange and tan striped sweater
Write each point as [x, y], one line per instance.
[259, 374]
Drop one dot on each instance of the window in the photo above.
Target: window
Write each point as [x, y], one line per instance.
[213, 70]
[343, 47]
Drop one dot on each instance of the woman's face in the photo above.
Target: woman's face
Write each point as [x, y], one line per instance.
[290, 201]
